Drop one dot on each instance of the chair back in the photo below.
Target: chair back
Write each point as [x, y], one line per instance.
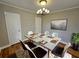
[54, 34]
[66, 47]
[30, 50]
[46, 33]
[60, 51]
[23, 46]
[30, 32]
[26, 47]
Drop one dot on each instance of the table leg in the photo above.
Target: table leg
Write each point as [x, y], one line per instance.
[48, 52]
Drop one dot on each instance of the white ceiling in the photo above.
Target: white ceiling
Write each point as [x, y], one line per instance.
[52, 5]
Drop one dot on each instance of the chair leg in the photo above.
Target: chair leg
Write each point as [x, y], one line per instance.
[50, 54]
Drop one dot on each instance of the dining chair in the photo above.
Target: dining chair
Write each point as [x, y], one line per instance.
[54, 34]
[65, 53]
[37, 52]
[46, 33]
[60, 52]
[30, 32]
[26, 48]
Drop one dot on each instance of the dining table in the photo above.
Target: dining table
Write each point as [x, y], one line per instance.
[46, 42]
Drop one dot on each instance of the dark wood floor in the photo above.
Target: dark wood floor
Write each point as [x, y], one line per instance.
[5, 53]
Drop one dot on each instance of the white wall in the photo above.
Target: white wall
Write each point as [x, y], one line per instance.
[3, 32]
[38, 24]
[72, 25]
[27, 23]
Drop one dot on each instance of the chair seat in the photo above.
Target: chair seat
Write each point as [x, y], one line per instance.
[58, 51]
[35, 53]
[30, 44]
[39, 52]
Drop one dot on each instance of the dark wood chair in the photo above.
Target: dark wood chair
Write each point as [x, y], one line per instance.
[58, 51]
[35, 53]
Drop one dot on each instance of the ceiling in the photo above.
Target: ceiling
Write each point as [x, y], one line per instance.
[52, 5]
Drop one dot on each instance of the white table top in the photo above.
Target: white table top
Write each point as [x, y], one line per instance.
[48, 44]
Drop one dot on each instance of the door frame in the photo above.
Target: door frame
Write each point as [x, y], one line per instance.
[7, 30]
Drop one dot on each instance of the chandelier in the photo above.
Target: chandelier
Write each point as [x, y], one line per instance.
[43, 11]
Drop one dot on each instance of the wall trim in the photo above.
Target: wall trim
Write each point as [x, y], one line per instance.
[10, 45]
[65, 9]
[7, 4]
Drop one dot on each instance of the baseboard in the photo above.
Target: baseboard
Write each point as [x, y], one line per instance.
[10, 45]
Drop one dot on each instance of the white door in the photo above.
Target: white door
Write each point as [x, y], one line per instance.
[38, 24]
[13, 27]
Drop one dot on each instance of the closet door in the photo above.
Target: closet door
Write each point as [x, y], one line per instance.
[13, 27]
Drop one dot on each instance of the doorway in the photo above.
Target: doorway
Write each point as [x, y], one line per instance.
[13, 26]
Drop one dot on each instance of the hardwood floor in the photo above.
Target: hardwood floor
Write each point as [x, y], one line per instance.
[7, 52]
[10, 50]
[73, 52]
[0, 55]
